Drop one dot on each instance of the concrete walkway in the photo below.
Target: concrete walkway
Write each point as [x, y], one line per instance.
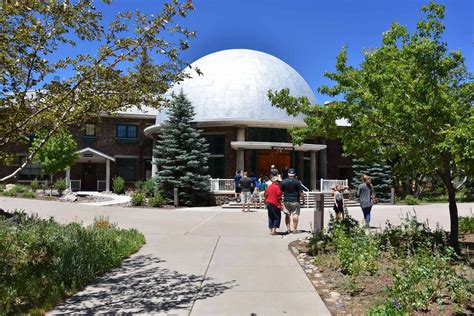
[205, 261]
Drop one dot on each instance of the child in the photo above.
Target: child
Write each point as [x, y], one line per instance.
[338, 201]
[262, 186]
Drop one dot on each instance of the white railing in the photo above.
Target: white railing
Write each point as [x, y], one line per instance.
[327, 184]
[219, 185]
[101, 185]
[75, 185]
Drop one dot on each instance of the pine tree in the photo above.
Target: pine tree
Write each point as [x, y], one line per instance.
[379, 173]
[182, 154]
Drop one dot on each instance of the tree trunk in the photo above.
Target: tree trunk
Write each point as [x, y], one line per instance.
[453, 215]
[445, 176]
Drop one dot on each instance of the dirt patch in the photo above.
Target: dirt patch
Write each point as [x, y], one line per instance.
[334, 287]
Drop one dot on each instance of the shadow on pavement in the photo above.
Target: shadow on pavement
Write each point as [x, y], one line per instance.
[140, 285]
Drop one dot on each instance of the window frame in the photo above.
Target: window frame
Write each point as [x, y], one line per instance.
[127, 131]
[94, 128]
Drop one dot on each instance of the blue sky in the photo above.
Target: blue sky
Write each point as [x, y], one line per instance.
[308, 34]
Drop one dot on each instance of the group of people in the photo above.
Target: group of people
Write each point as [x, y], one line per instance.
[278, 195]
[285, 195]
[367, 198]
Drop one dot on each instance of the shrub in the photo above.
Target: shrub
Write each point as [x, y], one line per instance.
[2, 187]
[410, 235]
[28, 194]
[60, 185]
[42, 261]
[149, 187]
[410, 200]
[466, 224]
[118, 185]
[137, 198]
[19, 189]
[357, 253]
[34, 185]
[156, 200]
[139, 185]
[428, 277]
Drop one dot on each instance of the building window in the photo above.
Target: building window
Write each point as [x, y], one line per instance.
[90, 130]
[216, 144]
[126, 168]
[31, 171]
[216, 157]
[126, 131]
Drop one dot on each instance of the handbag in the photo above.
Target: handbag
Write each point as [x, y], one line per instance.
[375, 200]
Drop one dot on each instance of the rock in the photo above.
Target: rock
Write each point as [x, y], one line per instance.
[325, 290]
[318, 275]
[9, 187]
[70, 197]
[335, 295]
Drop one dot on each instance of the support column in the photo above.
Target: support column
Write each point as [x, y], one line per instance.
[154, 166]
[68, 178]
[240, 161]
[107, 175]
[323, 163]
[313, 171]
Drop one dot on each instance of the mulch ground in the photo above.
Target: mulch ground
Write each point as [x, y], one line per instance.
[333, 286]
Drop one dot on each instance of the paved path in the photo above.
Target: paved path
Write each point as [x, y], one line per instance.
[205, 261]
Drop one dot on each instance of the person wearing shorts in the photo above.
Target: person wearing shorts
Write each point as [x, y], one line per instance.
[246, 185]
[292, 190]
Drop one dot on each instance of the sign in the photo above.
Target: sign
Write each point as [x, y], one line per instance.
[282, 148]
[88, 155]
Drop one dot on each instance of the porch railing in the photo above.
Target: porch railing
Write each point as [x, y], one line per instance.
[327, 184]
[219, 185]
[75, 185]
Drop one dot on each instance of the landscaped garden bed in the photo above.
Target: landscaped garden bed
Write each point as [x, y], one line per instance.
[402, 270]
[42, 262]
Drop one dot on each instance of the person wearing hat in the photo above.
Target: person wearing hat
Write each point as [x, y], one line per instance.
[273, 203]
[292, 192]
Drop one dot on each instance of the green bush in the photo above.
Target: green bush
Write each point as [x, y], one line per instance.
[60, 185]
[118, 185]
[34, 185]
[28, 194]
[149, 187]
[466, 224]
[42, 261]
[410, 235]
[139, 185]
[156, 200]
[137, 198]
[410, 200]
[19, 189]
[2, 187]
[428, 277]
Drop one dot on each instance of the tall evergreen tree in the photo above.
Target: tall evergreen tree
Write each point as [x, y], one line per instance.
[380, 174]
[182, 154]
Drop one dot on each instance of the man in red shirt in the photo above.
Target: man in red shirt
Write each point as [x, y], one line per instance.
[273, 202]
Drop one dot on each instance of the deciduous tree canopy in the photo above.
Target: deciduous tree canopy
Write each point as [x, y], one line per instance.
[37, 41]
[409, 102]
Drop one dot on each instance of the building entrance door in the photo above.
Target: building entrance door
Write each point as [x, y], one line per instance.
[266, 158]
[89, 177]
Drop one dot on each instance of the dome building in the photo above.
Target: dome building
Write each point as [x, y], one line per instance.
[244, 130]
